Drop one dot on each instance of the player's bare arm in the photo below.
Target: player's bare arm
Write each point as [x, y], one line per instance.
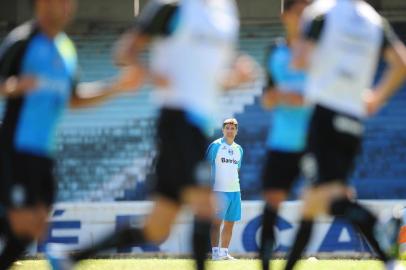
[16, 86]
[302, 50]
[244, 70]
[273, 97]
[129, 46]
[94, 93]
[394, 76]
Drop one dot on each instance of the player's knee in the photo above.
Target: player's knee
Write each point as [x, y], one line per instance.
[313, 203]
[157, 234]
[28, 223]
[274, 198]
[38, 230]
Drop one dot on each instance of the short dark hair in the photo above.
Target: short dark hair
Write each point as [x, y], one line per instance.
[287, 4]
[232, 121]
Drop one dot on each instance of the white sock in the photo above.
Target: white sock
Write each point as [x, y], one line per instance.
[223, 251]
[215, 251]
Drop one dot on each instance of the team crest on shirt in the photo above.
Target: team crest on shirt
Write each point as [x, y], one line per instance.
[230, 151]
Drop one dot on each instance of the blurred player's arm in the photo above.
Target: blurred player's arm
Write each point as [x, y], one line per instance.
[93, 93]
[11, 83]
[14, 86]
[394, 53]
[157, 19]
[271, 95]
[243, 70]
[311, 30]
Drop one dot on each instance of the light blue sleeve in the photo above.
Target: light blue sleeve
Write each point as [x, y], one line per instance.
[276, 66]
[211, 152]
[242, 154]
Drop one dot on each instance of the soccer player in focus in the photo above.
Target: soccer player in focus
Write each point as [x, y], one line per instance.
[225, 157]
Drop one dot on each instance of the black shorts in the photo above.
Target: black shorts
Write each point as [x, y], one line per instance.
[181, 155]
[281, 170]
[26, 180]
[333, 143]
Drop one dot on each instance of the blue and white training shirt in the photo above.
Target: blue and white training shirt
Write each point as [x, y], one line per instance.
[288, 123]
[225, 163]
[30, 121]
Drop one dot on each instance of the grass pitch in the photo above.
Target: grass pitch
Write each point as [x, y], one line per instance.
[185, 264]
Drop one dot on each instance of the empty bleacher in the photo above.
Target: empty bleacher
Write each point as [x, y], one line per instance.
[98, 146]
[106, 153]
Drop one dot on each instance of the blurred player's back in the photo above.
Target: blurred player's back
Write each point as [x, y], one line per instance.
[195, 57]
[350, 47]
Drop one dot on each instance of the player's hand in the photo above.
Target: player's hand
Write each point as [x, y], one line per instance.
[245, 69]
[373, 102]
[160, 81]
[293, 99]
[130, 79]
[18, 86]
[270, 98]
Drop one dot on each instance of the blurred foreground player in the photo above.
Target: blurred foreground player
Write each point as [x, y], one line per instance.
[290, 116]
[193, 45]
[37, 78]
[342, 42]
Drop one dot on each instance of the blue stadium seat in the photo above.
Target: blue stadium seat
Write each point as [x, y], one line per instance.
[106, 153]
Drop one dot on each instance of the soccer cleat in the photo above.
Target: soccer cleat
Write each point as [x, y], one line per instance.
[394, 265]
[387, 232]
[57, 257]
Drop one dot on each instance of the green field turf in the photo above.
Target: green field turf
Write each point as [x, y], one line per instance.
[175, 264]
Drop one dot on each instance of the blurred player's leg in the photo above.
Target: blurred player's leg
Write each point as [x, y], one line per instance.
[164, 212]
[122, 239]
[13, 249]
[302, 238]
[201, 241]
[362, 219]
[267, 236]
[22, 227]
[280, 172]
[201, 200]
[273, 199]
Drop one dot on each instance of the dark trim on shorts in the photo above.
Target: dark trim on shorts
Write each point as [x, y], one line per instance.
[281, 170]
[26, 180]
[181, 155]
[333, 143]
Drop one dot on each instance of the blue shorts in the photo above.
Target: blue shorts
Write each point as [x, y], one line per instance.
[229, 206]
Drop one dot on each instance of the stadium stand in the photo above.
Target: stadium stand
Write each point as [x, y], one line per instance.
[110, 148]
[106, 153]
